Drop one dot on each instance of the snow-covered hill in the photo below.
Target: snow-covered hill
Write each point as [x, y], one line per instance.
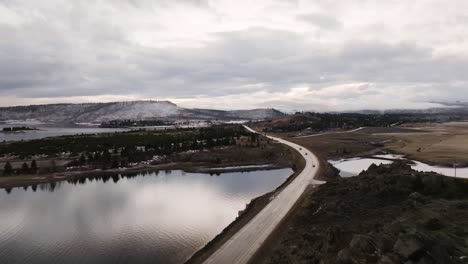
[135, 110]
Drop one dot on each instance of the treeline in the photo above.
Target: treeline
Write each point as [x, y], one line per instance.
[135, 145]
[22, 128]
[166, 144]
[78, 180]
[324, 121]
[8, 169]
[351, 120]
[134, 123]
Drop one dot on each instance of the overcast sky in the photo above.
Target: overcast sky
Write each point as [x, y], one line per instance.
[289, 54]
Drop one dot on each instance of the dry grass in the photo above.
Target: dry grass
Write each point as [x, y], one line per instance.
[442, 144]
[437, 143]
[341, 145]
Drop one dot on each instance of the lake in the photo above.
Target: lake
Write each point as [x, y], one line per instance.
[45, 131]
[153, 217]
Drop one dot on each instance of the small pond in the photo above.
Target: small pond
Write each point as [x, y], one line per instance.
[354, 166]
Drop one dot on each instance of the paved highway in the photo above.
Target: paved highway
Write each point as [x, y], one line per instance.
[243, 245]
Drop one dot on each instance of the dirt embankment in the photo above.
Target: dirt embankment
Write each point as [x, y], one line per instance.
[389, 214]
[252, 209]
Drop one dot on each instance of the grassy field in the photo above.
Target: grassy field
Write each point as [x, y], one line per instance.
[441, 144]
[435, 143]
[338, 145]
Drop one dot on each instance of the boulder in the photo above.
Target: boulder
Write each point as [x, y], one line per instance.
[362, 244]
[408, 246]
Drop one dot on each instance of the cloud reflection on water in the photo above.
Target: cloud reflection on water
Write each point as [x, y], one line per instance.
[166, 216]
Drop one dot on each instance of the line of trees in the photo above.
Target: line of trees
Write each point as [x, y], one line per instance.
[121, 157]
[8, 169]
[135, 123]
[163, 142]
[22, 128]
[116, 150]
[324, 121]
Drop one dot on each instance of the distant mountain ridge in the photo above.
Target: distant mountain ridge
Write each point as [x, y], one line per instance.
[445, 108]
[134, 110]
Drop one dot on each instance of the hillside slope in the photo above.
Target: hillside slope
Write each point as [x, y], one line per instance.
[135, 110]
[388, 214]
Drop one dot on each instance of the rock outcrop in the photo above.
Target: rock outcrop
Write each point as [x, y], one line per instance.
[388, 214]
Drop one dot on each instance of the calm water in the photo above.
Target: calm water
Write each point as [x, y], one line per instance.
[44, 132]
[153, 218]
[352, 167]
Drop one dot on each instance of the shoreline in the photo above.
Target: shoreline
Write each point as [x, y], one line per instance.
[8, 182]
[433, 163]
[412, 159]
[19, 131]
[251, 210]
[327, 172]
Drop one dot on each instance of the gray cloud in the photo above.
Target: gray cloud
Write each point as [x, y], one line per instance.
[322, 21]
[84, 50]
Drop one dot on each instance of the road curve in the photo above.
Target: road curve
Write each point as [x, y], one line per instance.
[331, 133]
[242, 246]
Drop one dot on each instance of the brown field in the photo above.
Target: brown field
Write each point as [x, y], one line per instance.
[435, 143]
[441, 144]
[337, 145]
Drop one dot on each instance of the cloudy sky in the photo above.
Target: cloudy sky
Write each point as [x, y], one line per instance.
[290, 54]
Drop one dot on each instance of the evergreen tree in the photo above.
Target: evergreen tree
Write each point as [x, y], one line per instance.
[8, 169]
[53, 166]
[106, 156]
[209, 143]
[97, 156]
[115, 163]
[90, 158]
[82, 160]
[25, 168]
[34, 166]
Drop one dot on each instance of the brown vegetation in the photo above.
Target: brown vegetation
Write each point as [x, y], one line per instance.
[336, 145]
[434, 144]
[386, 215]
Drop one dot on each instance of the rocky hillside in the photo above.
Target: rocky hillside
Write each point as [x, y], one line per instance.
[389, 214]
[136, 110]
